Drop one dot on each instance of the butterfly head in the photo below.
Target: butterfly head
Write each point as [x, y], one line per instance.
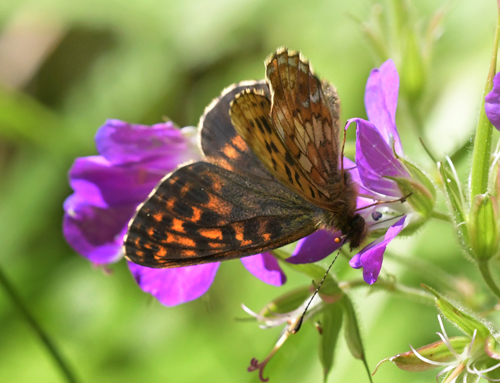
[357, 231]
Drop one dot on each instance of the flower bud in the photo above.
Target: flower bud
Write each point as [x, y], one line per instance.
[483, 227]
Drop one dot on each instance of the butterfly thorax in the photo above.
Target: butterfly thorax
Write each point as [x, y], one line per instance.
[341, 214]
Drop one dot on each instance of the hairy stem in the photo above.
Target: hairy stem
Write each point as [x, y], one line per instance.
[44, 337]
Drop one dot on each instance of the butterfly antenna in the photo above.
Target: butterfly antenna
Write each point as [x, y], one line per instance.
[402, 200]
[299, 323]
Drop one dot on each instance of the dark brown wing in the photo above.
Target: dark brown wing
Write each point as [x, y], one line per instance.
[204, 213]
[220, 142]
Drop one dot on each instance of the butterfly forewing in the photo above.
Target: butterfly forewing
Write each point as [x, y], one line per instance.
[250, 115]
[305, 118]
[204, 213]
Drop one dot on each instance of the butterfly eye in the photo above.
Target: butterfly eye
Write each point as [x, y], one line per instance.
[358, 223]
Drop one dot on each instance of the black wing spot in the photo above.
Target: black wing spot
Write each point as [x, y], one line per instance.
[289, 158]
[274, 147]
[268, 147]
[313, 194]
[297, 179]
[259, 125]
[275, 165]
[289, 174]
[266, 124]
[182, 209]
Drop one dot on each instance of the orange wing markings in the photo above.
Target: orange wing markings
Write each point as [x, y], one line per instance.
[211, 233]
[177, 225]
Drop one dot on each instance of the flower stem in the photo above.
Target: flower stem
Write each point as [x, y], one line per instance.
[482, 142]
[409, 292]
[440, 216]
[47, 342]
[488, 278]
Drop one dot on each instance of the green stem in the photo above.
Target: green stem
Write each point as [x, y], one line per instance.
[482, 143]
[485, 272]
[47, 342]
[416, 294]
[440, 216]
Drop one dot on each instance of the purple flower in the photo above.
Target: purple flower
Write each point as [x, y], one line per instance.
[377, 139]
[109, 187]
[492, 103]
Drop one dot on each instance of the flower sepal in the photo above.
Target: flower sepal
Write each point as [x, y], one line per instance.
[286, 302]
[456, 201]
[466, 322]
[437, 352]
[419, 197]
[483, 227]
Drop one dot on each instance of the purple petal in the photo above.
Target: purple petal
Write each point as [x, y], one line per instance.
[315, 247]
[123, 143]
[381, 100]
[352, 168]
[492, 103]
[101, 183]
[375, 160]
[174, 286]
[370, 258]
[265, 267]
[94, 232]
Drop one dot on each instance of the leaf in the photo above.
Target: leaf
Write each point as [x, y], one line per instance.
[331, 323]
[352, 333]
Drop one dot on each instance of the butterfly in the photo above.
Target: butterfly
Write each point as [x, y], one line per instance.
[271, 175]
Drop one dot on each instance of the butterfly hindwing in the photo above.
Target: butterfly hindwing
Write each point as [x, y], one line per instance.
[204, 213]
[219, 140]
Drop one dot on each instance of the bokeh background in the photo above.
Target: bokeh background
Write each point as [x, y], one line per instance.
[66, 67]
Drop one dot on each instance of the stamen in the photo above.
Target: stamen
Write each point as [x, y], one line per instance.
[469, 351]
[488, 369]
[446, 341]
[254, 363]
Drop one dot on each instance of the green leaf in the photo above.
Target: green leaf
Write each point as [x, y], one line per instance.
[483, 227]
[352, 333]
[464, 321]
[331, 323]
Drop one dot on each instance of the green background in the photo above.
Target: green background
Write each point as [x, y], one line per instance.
[65, 67]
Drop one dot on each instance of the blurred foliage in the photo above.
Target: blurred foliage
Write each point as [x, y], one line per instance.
[65, 67]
